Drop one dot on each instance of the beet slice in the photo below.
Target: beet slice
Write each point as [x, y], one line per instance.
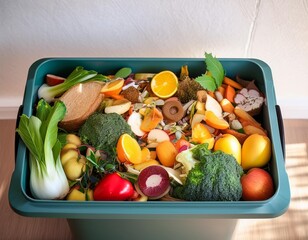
[154, 181]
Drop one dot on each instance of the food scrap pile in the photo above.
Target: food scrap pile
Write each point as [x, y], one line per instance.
[148, 136]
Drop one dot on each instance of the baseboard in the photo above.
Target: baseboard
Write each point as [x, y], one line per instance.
[290, 109]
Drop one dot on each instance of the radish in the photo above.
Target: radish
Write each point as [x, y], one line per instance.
[154, 182]
[53, 80]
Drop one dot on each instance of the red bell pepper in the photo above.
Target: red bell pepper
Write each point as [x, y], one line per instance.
[112, 187]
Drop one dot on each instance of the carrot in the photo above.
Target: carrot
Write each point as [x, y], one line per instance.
[115, 96]
[230, 93]
[222, 90]
[232, 83]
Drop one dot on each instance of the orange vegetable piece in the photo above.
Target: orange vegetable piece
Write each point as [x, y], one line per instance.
[166, 153]
[200, 134]
[128, 149]
[115, 96]
[152, 117]
[232, 83]
[226, 106]
[212, 120]
[222, 90]
[113, 88]
[230, 93]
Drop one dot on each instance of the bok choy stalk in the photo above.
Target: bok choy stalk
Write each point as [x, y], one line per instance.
[40, 135]
[77, 76]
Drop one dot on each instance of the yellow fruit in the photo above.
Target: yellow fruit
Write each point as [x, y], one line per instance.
[164, 84]
[228, 143]
[166, 153]
[74, 139]
[256, 151]
[74, 168]
[145, 154]
[128, 149]
[76, 195]
[201, 134]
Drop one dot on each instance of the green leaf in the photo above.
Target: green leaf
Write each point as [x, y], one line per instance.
[123, 72]
[207, 82]
[215, 68]
[56, 114]
[29, 131]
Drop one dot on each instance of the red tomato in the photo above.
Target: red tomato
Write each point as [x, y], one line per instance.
[112, 187]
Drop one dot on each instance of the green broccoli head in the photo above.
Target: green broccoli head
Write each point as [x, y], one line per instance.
[216, 177]
[102, 131]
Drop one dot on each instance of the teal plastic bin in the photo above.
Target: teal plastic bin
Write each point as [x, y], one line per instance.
[153, 219]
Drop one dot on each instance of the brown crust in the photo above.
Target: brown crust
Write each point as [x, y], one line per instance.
[81, 101]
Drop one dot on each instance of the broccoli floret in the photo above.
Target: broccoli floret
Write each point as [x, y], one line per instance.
[216, 177]
[102, 131]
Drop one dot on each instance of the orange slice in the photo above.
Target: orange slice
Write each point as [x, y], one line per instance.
[128, 149]
[212, 120]
[113, 88]
[164, 84]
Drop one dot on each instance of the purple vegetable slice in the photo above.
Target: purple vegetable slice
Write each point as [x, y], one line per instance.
[154, 182]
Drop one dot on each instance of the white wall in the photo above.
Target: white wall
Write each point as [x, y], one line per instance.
[274, 31]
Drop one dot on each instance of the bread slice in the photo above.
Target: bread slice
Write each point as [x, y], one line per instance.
[81, 101]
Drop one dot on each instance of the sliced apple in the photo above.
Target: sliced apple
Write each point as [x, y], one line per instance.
[213, 106]
[118, 106]
[156, 136]
[197, 118]
[134, 121]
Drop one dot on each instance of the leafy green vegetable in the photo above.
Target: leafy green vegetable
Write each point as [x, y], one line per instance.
[215, 73]
[77, 76]
[39, 133]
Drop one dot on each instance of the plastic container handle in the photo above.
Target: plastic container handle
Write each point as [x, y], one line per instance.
[20, 109]
[281, 130]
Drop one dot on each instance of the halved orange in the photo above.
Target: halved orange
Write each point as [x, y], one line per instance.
[212, 120]
[128, 149]
[113, 87]
[164, 84]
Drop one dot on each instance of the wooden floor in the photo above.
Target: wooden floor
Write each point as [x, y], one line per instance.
[292, 225]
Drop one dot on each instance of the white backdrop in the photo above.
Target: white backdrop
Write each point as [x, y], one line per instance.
[274, 31]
